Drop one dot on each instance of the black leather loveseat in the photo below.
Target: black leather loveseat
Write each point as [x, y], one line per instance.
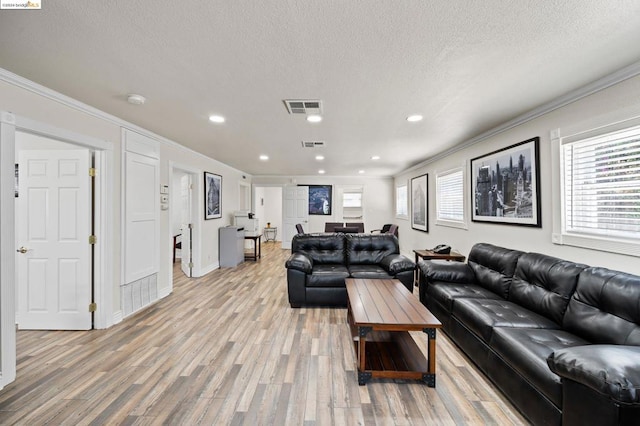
[319, 264]
[560, 339]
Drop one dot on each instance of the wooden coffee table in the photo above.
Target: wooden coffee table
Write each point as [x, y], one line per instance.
[381, 313]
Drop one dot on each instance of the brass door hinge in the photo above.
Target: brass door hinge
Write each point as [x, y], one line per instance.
[93, 239]
[92, 172]
[93, 307]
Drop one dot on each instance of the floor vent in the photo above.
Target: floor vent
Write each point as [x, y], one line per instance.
[301, 106]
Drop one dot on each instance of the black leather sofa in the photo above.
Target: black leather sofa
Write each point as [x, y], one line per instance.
[560, 339]
[319, 264]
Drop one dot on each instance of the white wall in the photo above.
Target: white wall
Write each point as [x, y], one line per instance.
[377, 198]
[615, 103]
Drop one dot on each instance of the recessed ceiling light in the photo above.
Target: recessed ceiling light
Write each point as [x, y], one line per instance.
[321, 171]
[216, 119]
[414, 118]
[136, 99]
[264, 157]
[375, 157]
[319, 157]
[361, 171]
[314, 118]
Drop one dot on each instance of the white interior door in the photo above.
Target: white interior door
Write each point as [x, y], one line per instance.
[186, 260]
[53, 253]
[295, 209]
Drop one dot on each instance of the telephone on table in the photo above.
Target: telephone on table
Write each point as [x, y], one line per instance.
[441, 249]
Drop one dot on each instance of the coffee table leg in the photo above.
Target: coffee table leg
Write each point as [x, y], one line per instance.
[363, 375]
[430, 376]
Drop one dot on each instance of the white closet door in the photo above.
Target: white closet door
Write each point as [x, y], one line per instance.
[142, 206]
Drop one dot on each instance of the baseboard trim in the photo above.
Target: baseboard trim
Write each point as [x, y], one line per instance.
[117, 317]
[208, 269]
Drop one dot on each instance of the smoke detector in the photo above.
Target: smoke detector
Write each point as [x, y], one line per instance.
[136, 99]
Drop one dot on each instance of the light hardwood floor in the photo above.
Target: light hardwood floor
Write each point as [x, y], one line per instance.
[228, 349]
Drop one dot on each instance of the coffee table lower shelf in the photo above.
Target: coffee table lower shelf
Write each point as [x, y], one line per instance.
[390, 355]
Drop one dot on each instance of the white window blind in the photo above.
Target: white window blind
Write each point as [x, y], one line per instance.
[401, 201]
[450, 196]
[601, 191]
[352, 207]
[352, 199]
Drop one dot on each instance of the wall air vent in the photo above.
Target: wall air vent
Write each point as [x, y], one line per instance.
[313, 144]
[301, 106]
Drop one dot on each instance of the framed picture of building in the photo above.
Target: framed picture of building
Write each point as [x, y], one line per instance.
[505, 185]
[212, 196]
[419, 205]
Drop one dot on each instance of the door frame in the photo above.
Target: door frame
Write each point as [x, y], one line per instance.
[103, 266]
[197, 206]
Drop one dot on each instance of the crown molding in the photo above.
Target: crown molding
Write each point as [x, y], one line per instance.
[38, 89]
[612, 79]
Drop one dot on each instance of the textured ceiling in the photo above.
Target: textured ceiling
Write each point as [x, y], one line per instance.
[467, 66]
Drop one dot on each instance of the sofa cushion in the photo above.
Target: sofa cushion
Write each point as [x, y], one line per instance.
[493, 267]
[482, 315]
[446, 293]
[605, 307]
[396, 263]
[367, 271]
[327, 276]
[611, 370]
[320, 248]
[370, 249]
[544, 284]
[526, 351]
[444, 270]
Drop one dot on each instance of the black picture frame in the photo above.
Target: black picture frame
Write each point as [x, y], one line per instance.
[419, 203]
[320, 199]
[505, 185]
[212, 196]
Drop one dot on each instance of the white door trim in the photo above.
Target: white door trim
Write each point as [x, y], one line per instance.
[104, 217]
[7, 250]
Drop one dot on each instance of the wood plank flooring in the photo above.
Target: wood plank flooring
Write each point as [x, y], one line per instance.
[227, 349]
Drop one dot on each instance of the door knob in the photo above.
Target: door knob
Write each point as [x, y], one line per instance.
[22, 250]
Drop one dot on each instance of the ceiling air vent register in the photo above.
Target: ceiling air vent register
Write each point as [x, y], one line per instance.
[301, 106]
[313, 144]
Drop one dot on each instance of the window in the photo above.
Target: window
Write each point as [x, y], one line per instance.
[600, 190]
[402, 209]
[352, 199]
[450, 198]
[602, 185]
[352, 207]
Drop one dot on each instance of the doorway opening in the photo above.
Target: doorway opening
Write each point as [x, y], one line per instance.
[183, 212]
[268, 208]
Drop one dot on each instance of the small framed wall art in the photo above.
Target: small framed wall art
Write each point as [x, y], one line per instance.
[419, 205]
[212, 196]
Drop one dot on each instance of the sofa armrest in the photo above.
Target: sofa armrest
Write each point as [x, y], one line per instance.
[396, 263]
[447, 271]
[299, 262]
[611, 370]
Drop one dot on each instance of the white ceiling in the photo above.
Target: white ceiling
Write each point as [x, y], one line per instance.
[467, 66]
